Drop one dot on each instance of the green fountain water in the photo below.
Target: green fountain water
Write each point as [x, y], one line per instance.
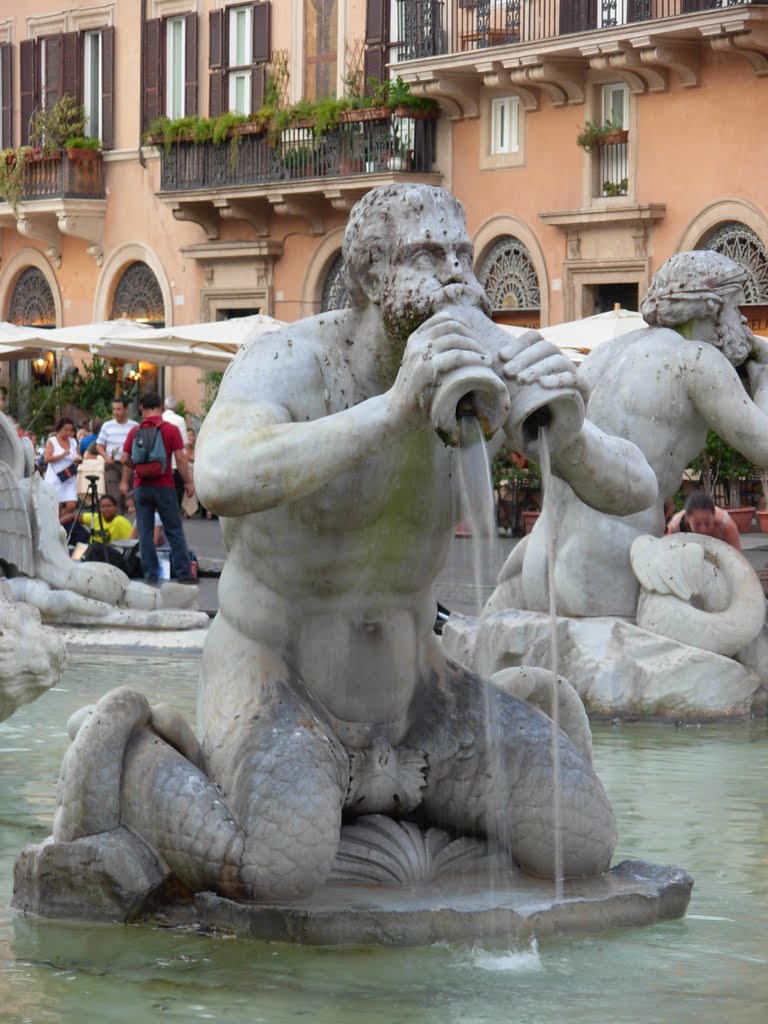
[696, 797]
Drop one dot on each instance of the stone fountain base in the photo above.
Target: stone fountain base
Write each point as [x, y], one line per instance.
[515, 909]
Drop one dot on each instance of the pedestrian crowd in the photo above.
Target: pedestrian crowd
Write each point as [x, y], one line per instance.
[113, 510]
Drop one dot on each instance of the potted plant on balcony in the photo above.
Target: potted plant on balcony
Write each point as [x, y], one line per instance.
[593, 134]
[615, 188]
[52, 127]
[85, 149]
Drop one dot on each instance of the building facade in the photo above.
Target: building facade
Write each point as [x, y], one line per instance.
[203, 230]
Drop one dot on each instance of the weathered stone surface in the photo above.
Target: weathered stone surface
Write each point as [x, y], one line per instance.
[105, 877]
[617, 668]
[515, 907]
[32, 656]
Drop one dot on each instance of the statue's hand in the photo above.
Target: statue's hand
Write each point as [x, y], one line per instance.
[442, 344]
[529, 359]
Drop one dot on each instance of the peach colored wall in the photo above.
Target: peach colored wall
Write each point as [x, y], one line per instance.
[693, 147]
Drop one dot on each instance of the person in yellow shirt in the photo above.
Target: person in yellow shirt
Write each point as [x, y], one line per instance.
[116, 526]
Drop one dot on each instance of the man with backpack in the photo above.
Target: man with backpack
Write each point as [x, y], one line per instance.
[147, 451]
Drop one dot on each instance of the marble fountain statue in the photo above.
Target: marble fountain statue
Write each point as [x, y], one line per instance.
[672, 627]
[340, 753]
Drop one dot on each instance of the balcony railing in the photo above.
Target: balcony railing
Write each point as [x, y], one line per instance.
[59, 176]
[429, 28]
[350, 148]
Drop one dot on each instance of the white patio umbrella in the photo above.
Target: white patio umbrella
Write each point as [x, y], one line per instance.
[21, 342]
[577, 338]
[208, 345]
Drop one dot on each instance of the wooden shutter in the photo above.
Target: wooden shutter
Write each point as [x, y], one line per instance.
[28, 55]
[261, 43]
[258, 86]
[6, 69]
[54, 69]
[108, 88]
[71, 64]
[578, 15]
[217, 52]
[153, 58]
[376, 33]
[376, 22]
[190, 64]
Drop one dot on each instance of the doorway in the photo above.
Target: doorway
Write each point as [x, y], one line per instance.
[608, 296]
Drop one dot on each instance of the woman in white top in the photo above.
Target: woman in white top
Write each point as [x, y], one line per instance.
[62, 459]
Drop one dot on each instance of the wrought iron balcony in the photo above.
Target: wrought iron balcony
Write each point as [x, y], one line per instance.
[430, 28]
[381, 143]
[63, 176]
[58, 194]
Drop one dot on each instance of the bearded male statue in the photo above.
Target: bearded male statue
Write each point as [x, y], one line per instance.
[324, 692]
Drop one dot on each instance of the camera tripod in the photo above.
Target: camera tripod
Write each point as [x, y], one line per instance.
[92, 496]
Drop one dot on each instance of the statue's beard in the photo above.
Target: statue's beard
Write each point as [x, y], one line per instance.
[735, 343]
[401, 318]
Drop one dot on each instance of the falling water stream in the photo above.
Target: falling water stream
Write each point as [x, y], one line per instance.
[549, 526]
[478, 510]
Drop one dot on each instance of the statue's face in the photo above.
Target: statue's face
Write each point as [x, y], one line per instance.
[430, 266]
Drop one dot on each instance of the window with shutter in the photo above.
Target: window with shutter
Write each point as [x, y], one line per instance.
[190, 64]
[376, 40]
[243, 47]
[92, 83]
[29, 76]
[108, 87]
[152, 68]
[6, 94]
[216, 62]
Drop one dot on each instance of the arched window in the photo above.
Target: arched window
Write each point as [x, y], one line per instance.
[335, 292]
[509, 276]
[138, 295]
[32, 300]
[742, 245]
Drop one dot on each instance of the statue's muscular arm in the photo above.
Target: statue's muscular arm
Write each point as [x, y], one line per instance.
[608, 473]
[723, 403]
[268, 438]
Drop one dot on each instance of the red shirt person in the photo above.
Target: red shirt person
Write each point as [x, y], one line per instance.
[156, 493]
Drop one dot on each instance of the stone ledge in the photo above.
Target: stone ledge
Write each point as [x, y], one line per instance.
[514, 908]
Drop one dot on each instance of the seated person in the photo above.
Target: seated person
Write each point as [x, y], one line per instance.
[116, 526]
[701, 515]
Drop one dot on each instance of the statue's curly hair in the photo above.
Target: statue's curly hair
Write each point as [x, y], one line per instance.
[691, 286]
[367, 241]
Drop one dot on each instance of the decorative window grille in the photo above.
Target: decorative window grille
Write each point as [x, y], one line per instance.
[742, 245]
[509, 277]
[138, 295]
[32, 300]
[335, 292]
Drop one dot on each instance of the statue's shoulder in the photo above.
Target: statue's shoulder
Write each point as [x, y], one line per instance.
[304, 342]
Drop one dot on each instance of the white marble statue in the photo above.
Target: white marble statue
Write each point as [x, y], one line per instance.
[32, 656]
[324, 692]
[649, 626]
[662, 389]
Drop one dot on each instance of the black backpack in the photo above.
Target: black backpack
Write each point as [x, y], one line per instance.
[148, 453]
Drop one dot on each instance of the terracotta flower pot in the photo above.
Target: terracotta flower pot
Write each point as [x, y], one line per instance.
[762, 521]
[742, 518]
